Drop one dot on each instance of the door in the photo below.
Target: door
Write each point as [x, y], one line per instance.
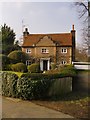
[45, 62]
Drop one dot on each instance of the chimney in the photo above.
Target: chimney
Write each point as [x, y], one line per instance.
[73, 43]
[25, 33]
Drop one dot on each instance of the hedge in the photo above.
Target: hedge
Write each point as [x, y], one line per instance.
[9, 84]
[34, 68]
[19, 67]
[18, 56]
[32, 89]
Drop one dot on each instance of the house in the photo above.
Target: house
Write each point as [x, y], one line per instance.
[47, 49]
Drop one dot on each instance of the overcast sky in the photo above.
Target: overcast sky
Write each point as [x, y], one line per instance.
[41, 17]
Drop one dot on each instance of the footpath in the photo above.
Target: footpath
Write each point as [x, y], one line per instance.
[16, 108]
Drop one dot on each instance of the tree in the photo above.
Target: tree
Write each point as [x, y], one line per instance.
[84, 14]
[8, 37]
[81, 55]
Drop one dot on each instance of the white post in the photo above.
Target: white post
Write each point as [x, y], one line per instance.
[41, 65]
[48, 64]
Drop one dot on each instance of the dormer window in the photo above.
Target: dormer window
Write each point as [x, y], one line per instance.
[28, 50]
[64, 50]
[44, 50]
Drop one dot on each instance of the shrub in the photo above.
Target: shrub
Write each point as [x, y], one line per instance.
[32, 89]
[68, 70]
[19, 67]
[9, 84]
[18, 56]
[34, 68]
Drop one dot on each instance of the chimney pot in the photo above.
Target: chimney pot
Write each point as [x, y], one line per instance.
[72, 27]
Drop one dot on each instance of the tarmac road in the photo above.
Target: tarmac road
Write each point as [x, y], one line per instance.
[16, 108]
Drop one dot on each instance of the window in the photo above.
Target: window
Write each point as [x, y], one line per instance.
[63, 62]
[28, 62]
[63, 50]
[28, 50]
[45, 50]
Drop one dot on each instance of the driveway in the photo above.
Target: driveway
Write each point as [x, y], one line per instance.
[16, 108]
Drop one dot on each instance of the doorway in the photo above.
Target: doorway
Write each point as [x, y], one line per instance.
[45, 65]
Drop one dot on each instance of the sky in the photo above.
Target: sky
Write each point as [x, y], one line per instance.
[41, 17]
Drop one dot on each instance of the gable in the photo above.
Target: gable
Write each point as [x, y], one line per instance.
[45, 41]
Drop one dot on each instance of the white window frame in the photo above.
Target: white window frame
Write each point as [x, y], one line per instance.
[63, 50]
[28, 50]
[28, 62]
[44, 50]
[63, 62]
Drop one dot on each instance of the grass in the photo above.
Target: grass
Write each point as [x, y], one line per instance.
[75, 104]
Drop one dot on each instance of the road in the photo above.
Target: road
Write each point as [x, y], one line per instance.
[16, 108]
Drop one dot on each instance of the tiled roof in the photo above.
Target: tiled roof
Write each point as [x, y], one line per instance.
[63, 39]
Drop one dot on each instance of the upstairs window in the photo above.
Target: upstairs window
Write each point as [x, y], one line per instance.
[64, 50]
[28, 50]
[45, 50]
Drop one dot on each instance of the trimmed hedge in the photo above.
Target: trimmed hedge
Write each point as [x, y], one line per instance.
[18, 56]
[41, 76]
[34, 86]
[32, 89]
[9, 84]
[34, 68]
[19, 67]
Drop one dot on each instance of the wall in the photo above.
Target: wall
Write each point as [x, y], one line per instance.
[64, 56]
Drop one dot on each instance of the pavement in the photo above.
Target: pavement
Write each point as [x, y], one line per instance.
[16, 108]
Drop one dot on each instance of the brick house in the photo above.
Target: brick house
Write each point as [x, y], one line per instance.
[47, 49]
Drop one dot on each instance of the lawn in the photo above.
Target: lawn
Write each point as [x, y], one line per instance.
[74, 104]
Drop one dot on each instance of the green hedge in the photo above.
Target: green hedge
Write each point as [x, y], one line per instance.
[32, 89]
[34, 68]
[19, 67]
[9, 84]
[34, 85]
[18, 56]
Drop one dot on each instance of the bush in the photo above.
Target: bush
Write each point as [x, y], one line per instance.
[9, 84]
[18, 56]
[68, 70]
[34, 68]
[32, 89]
[19, 67]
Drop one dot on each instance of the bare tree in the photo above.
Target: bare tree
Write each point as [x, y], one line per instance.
[84, 14]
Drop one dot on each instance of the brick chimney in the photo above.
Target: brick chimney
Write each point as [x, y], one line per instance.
[25, 33]
[73, 43]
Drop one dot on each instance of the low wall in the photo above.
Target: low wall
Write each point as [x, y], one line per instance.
[61, 86]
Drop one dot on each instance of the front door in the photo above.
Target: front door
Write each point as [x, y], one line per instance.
[45, 62]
